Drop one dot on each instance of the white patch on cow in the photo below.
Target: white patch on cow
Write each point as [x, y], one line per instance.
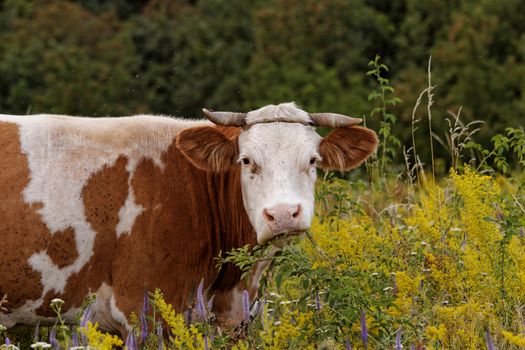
[128, 213]
[26, 314]
[236, 312]
[105, 312]
[64, 152]
[117, 314]
[52, 276]
[279, 157]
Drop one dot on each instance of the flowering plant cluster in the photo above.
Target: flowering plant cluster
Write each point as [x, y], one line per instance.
[444, 270]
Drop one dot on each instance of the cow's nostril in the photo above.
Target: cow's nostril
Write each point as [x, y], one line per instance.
[268, 216]
[297, 211]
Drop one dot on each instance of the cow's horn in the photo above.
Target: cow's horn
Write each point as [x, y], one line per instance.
[226, 118]
[333, 120]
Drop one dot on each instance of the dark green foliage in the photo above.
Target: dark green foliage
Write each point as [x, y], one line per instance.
[193, 56]
[64, 59]
[124, 8]
[315, 53]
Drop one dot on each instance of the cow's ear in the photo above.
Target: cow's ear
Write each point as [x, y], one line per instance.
[347, 147]
[208, 148]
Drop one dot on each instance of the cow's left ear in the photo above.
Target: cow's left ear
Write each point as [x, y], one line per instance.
[347, 147]
[208, 148]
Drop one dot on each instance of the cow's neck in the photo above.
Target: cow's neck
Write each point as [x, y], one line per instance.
[234, 229]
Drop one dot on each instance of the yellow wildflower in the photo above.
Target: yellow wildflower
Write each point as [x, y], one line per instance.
[183, 337]
[292, 331]
[518, 340]
[100, 340]
[436, 333]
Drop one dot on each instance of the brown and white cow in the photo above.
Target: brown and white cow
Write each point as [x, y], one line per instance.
[114, 206]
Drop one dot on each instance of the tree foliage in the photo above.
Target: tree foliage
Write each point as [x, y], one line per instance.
[116, 57]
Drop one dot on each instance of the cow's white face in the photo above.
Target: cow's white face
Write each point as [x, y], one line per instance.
[278, 173]
[278, 152]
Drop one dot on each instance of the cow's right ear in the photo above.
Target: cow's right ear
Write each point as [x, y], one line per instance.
[208, 148]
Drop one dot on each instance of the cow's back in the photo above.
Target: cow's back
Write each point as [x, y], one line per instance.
[90, 205]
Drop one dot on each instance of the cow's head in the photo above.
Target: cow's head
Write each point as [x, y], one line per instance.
[278, 150]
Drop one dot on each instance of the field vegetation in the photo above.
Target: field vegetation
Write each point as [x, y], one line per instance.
[395, 258]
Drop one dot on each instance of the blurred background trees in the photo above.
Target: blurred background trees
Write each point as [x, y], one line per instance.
[117, 57]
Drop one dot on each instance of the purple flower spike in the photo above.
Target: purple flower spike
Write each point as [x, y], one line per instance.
[201, 306]
[488, 339]
[131, 343]
[412, 347]
[53, 338]
[86, 316]
[143, 317]
[84, 319]
[7, 341]
[317, 301]
[74, 338]
[159, 337]
[145, 302]
[347, 344]
[246, 304]
[398, 339]
[143, 326]
[364, 330]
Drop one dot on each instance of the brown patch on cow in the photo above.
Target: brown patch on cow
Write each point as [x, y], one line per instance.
[62, 248]
[208, 148]
[347, 147]
[103, 196]
[22, 232]
[189, 216]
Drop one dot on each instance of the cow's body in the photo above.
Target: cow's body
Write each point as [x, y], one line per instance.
[110, 206]
[118, 206]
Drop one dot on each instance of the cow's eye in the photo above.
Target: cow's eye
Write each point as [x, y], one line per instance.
[245, 161]
[313, 160]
